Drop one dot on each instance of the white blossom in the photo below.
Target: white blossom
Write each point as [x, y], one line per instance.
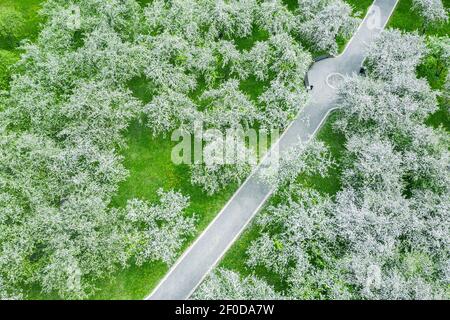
[225, 284]
[395, 53]
[158, 231]
[432, 11]
[322, 21]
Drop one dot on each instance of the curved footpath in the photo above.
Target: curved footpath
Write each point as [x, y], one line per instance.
[196, 262]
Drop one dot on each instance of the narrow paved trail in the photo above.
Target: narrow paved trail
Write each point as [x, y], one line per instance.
[196, 262]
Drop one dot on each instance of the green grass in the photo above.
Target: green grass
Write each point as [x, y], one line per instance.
[148, 160]
[29, 12]
[143, 3]
[236, 257]
[407, 20]
[441, 118]
[404, 18]
[7, 59]
[248, 42]
[9, 54]
[291, 4]
[360, 6]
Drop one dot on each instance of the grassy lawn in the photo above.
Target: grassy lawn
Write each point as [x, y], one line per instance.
[7, 59]
[407, 20]
[441, 117]
[143, 3]
[148, 160]
[28, 9]
[29, 28]
[236, 257]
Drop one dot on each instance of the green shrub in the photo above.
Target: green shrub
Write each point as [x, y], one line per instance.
[12, 27]
[7, 58]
